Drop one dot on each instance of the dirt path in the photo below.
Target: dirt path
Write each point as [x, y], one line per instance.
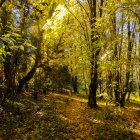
[87, 124]
[75, 114]
[62, 117]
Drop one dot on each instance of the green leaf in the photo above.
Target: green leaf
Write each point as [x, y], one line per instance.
[30, 45]
[22, 48]
[34, 47]
[18, 35]
[3, 46]
[8, 53]
[7, 35]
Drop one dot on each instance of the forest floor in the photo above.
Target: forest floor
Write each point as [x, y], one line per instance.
[62, 117]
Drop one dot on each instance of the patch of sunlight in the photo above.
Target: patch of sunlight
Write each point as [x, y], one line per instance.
[57, 17]
[40, 113]
[79, 99]
[45, 99]
[137, 131]
[60, 12]
[28, 101]
[59, 101]
[134, 108]
[63, 118]
[103, 103]
[19, 104]
[71, 97]
[96, 121]
[135, 97]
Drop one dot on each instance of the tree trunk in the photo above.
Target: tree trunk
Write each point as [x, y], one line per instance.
[94, 57]
[139, 67]
[92, 90]
[74, 84]
[85, 83]
[122, 101]
[7, 74]
[115, 58]
[109, 85]
[100, 83]
[31, 73]
[117, 88]
[93, 73]
[28, 77]
[2, 2]
[128, 97]
[129, 52]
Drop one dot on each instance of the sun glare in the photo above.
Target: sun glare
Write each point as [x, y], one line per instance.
[57, 17]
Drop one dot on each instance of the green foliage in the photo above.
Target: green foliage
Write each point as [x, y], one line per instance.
[44, 44]
[132, 87]
[60, 77]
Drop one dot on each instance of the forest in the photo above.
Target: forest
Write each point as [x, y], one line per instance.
[69, 69]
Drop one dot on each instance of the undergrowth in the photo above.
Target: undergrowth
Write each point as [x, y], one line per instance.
[60, 117]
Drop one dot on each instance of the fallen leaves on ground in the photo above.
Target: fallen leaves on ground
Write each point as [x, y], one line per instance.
[58, 117]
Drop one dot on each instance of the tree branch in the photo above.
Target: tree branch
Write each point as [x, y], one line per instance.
[2, 2]
[84, 9]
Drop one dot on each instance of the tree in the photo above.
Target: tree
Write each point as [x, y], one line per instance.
[21, 43]
[95, 54]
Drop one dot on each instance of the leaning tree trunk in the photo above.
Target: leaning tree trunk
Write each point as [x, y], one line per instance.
[28, 77]
[31, 73]
[128, 97]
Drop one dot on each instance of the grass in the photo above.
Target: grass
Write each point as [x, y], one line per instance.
[59, 116]
[135, 97]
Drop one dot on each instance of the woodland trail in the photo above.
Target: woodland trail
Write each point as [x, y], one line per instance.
[107, 122]
[75, 115]
[63, 117]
